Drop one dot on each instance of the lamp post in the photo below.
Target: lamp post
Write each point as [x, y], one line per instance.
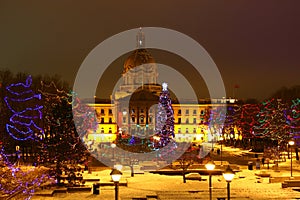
[221, 141]
[228, 175]
[210, 166]
[291, 143]
[113, 146]
[116, 176]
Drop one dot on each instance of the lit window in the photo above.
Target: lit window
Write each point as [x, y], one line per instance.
[194, 121]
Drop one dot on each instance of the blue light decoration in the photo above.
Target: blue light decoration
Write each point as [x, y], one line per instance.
[23, 122]
[20, 184]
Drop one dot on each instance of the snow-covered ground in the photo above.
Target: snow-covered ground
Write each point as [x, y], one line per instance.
[246, 185]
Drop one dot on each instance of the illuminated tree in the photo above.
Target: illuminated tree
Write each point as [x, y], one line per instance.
[164, 119]
[273, 121]
[294, 117]
[26, 110]
[247, 119]
[216, 121]
[61, 140]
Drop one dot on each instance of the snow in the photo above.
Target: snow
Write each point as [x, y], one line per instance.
[245, 185]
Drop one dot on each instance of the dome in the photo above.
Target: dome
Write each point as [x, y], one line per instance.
[137, 58]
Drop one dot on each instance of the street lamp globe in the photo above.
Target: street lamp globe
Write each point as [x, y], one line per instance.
[228, 174]
[210, 165]
[291, 142]
[116, 175]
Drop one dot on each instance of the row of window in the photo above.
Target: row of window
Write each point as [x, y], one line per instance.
[187, 112]
[187, 130]
[102, 111]
[187, 121]
[179, 130]
[109, 130]
[142, 120]
[102, 120]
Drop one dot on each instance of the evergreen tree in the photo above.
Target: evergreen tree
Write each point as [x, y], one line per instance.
[164, 119]
[61, 141]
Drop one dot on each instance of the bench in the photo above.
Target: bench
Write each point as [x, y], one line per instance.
[79, 189]
[193, 176]
[290, 183]
[263, 174]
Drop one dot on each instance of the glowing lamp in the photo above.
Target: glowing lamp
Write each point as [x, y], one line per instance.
[228, 174]
[210, 165]
[115, 175]
[291, 142]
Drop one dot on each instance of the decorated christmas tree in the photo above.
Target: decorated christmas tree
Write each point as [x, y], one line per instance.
[164, 119]
[61, 141]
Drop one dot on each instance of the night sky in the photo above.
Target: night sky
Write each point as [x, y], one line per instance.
[255, 44]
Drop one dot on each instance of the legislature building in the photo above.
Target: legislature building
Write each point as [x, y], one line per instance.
[132, 107]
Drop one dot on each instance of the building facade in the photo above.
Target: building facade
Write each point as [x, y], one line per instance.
[133, 107]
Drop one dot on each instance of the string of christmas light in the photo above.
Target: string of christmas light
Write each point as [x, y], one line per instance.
[164, 119]
[26, 113]
[294, 117]
[18, 183]
[244, 118]
[84, 117]
[273, 121]
[61, 141]
[216, 119]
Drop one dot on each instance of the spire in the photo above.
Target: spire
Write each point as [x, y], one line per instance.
[140, 39]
